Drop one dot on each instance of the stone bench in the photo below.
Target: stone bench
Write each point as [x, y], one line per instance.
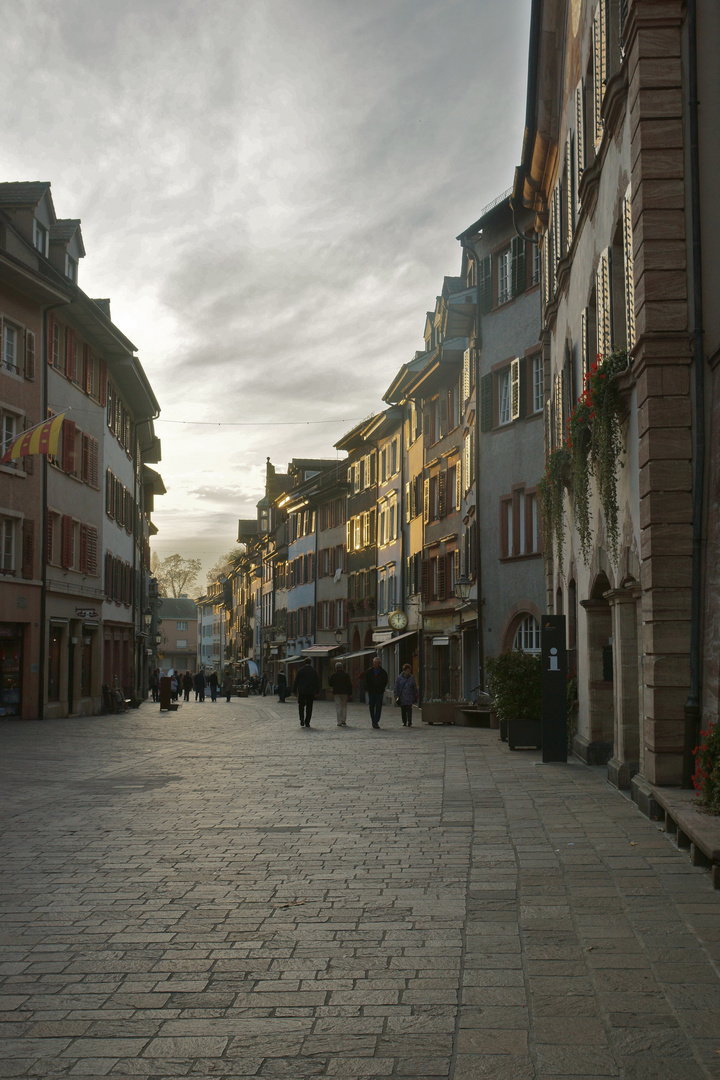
[694, 831]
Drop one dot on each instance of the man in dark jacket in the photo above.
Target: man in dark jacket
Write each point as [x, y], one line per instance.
[341, 686]
[306, 686]
[376, 679]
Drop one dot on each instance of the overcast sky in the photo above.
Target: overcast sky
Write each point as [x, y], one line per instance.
[270, 192]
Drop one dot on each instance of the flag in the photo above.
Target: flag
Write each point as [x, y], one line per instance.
[41, 439]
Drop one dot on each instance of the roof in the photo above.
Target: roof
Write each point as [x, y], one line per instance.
[486, 212]
[65, 229]
[177, 607]
[23, 193]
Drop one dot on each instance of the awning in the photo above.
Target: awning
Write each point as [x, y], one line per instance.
[319, 650]
[398, 637]
[352, 655]
[293, 659]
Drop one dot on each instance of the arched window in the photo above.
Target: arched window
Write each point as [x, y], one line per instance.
[527, 635]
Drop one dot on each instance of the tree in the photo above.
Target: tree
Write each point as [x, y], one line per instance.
[224, 565]
[175, 575]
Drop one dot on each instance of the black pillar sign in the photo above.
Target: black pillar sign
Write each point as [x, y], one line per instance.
[554, 688]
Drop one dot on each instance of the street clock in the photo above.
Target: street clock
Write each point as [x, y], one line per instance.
[398, 620]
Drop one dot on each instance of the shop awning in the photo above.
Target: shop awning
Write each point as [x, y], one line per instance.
[319, 650]
[293, 659]
[352, 655]
[398, 637]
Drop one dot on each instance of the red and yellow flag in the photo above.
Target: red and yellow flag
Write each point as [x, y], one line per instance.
[41, 439]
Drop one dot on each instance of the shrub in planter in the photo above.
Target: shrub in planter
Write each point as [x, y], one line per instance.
[707, 769]
[515, 684]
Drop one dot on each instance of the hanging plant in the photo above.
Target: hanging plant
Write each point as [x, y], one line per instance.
[607, 444]
[706, 780]
[550, 495]
[579, 441]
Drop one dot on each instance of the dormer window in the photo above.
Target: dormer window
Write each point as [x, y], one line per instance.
[40, 237]
[70, 268]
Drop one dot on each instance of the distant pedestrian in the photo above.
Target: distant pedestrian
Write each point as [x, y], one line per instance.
[174, 686]
[406, 693]
[341, 686]
[375, 680]
[199, 684]
[155, 685]
[212, 681]
[306, 686]
[282, 687]
[187, 685]
[227, 685]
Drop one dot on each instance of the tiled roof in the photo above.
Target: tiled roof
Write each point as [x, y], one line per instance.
[23, 193]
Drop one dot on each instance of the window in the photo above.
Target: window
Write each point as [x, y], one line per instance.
[504, 401]
[70, 268]
[40, 237]
[504, 289]
[181, 625]
[537, 384]
[527, 636]
[181, 643]
[10, 336]
[536, 263]
[519, 528]
[7, 545]
[9, 430]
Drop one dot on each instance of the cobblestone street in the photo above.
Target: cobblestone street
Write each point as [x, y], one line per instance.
[218, 892]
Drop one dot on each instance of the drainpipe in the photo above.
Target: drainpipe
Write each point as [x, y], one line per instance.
[692, 705]
[472, 254]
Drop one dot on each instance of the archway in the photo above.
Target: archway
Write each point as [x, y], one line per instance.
[600, 708]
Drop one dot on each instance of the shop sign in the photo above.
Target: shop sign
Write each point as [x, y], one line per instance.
[87, 613]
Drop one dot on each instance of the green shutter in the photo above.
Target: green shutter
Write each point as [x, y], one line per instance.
[517, 265]
[485, 284]
[486, 409]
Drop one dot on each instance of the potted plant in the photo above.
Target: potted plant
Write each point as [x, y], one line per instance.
[515, 685]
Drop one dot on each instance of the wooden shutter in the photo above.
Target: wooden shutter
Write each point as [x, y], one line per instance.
[584, 343]
[545, 268]
[426, 500]
[319, 616]
[28, 548]
[515, 389]
[485, 296]
[424, 578]
[372, 534]
[467, 360]
[87, 369]
[83, 548]
[91, 541]
[442, 494]
[29, 355]
[441, 579]
[569, 193]
[85, 468]
[579, 133]
[556, 235]
[94, 463]
[629, 273]
[458, 485]
[486, 404]
[603, 303]
[427, 434]
[69, 352]
[517, 265]
[68, 444]
[599, 68]
[66, 536]
[102, 384]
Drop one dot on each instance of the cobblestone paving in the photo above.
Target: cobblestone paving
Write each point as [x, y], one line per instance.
[220, 893]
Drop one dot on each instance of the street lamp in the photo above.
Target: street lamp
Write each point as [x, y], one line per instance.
[338, 637]
[463, 585]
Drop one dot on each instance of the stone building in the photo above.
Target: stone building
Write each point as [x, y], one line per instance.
[611, 172]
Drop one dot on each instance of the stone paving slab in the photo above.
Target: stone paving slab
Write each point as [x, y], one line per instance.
[218, 892]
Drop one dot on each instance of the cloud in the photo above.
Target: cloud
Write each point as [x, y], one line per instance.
[269, 194]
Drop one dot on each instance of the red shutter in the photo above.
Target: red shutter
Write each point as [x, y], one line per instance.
[69, 352]
[83, 549]
[102, 388]
[68, 440]
[442, 580]
[49, 538]
[92, 546]
[66, 542]
[85, 443]
[28, 548]
[94, 464]
[442, 494]
[50, 337]
[87, 368]
[318, 617]
[29, 354]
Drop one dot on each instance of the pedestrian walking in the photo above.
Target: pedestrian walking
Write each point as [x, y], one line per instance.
[187, 685]
[227, 685]
[199, 684]
[155, 685]
[406, 694]
[306, 686]
[341, 686]
[212, 682]
[282, 687]
[174, 686]
[375, 681]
